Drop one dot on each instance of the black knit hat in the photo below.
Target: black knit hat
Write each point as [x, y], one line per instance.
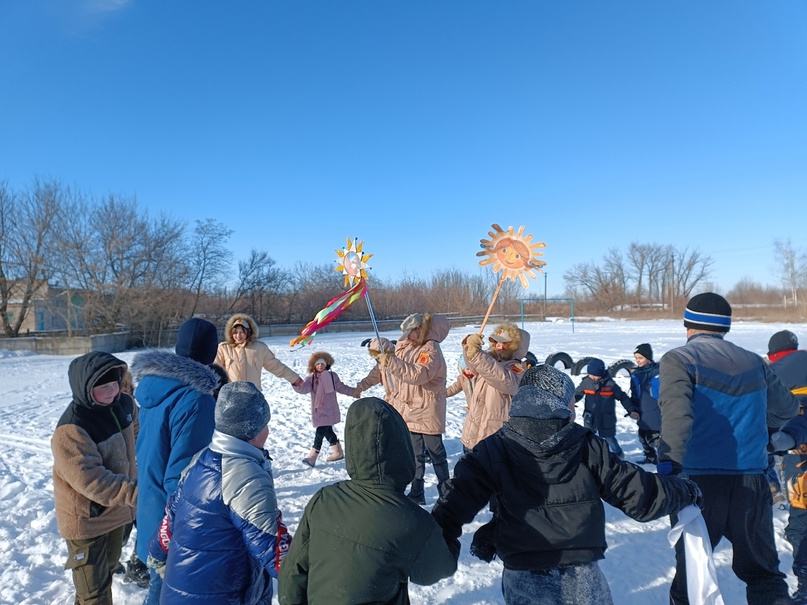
[708, 311]
[198, 339]
[544, 392]
[783, 341]
[645, 350]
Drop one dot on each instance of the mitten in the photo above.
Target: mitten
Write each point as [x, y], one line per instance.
[473, 344]
[482, 546]
[668, 467]
[157, 565]
[694, 492]
[781, 441]
[635, 415]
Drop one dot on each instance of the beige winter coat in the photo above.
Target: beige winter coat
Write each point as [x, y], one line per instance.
[418, 373]
[244, 362]
[494, 383]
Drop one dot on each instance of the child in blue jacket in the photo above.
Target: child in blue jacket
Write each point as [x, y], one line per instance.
[601, 393]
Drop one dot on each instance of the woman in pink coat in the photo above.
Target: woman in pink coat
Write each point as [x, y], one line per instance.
[323, 384]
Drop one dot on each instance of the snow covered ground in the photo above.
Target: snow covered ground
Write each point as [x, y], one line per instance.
[34, 392]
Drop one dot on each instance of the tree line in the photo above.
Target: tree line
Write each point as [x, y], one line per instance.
[121, 268]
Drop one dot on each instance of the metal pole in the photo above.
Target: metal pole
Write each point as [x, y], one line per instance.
[544, 295]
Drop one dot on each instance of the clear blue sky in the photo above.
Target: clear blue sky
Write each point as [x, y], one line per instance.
[416, 125]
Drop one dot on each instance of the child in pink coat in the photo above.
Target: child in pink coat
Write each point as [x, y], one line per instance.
[323, 384]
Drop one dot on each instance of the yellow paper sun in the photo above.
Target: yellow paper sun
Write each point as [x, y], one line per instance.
[352, 263]
[512, 253]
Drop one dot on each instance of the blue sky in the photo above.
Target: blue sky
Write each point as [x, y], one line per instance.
[416, 125]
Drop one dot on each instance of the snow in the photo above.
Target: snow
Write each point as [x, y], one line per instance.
[639, 562]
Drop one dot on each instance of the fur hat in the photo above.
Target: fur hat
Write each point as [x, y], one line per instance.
[645, 350]
[198, 339]
[409, 324]
[783, 341]
[708, 311]
[318, 356]
[544, 392]
[595, 367]
[241, 410]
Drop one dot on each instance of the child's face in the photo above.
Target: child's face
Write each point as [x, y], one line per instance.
[320, 367]
[594, 378]
[104, 394]
[641, 360]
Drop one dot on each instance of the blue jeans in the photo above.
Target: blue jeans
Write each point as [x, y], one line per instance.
[155, 587]
[582, 584]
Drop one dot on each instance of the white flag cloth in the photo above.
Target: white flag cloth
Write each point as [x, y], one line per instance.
[702, 585]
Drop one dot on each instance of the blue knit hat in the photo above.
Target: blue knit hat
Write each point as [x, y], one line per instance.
[241, 410]
[544, 392]
[595, 367]
[198, 339]
[708, 311]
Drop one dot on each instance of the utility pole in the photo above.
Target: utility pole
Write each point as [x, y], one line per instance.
[544, 295]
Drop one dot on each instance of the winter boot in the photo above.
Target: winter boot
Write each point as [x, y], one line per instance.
[336, 453]
[311, 459]
[137, 572]
[416, 494]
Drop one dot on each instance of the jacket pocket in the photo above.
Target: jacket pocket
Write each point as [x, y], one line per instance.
[96, 510]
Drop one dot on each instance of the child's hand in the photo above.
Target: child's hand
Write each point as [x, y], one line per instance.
[356, 393]
[297, 382]
[635, 415]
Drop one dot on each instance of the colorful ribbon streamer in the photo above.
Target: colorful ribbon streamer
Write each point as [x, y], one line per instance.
[331, 311]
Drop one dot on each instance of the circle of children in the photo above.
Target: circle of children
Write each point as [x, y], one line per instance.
[195, 480]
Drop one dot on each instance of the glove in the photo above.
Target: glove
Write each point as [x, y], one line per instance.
[383, 360]
[472, 345]
[356, 393]
[635, 415]
[297, 382]
[781, 441]
[668, 467]
[694, 492]
[157, 565]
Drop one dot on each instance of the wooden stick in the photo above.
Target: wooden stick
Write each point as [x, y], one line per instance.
[493, 300]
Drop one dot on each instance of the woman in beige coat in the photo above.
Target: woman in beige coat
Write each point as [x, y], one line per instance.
[418, 375]
[496, 376]
[242, 355]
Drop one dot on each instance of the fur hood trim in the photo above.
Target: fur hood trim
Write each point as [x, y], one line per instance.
[228, 328]
[433, 327]
[519, 341]
[170, 365]
[320, 355]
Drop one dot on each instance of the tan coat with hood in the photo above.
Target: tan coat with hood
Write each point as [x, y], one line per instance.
[497, 375]
[94, 469]
[244, 362]
[418, 372]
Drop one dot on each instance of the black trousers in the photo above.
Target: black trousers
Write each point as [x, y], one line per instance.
[324, 432]
[739, 508]
[437, 452]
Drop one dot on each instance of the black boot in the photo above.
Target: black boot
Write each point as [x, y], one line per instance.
[416, 492]
[136, 571]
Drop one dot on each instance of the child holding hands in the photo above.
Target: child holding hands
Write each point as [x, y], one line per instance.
[323, 385]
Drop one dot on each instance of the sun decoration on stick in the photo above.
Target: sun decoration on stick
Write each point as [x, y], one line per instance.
[352, 262]
[511, 253]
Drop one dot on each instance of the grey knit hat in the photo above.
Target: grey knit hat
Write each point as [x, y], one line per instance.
[544, 392]
[241, 410]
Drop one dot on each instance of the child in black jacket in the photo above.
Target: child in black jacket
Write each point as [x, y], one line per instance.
[551, 476]
[599, 413]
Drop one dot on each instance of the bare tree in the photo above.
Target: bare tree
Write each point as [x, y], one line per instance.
[260, 286]
[690, 269]
[792, 270]
[27, 223]
[210, 259]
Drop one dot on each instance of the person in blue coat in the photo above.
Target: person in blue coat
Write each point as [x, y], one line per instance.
[223, 538]
[175, 394]
[644, 385]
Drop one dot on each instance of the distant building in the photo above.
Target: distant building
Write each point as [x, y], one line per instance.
[49, 309]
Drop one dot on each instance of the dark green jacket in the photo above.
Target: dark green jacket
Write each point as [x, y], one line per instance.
[362, 540]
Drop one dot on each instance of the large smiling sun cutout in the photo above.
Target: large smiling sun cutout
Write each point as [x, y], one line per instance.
[352, 262]
[512, 253]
